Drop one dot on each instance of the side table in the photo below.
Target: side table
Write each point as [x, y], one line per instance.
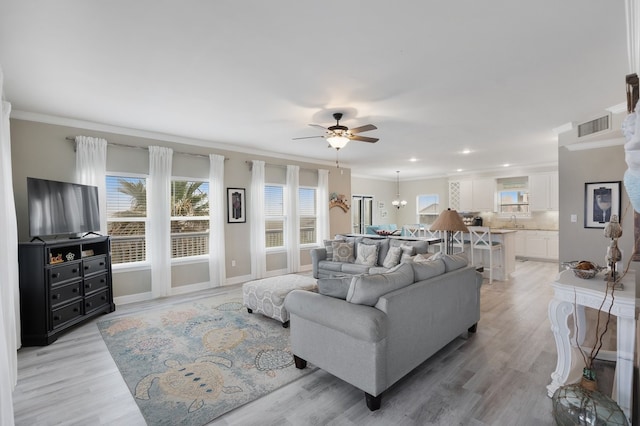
[571, 296]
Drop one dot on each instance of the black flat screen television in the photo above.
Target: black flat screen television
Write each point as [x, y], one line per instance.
[61, 208]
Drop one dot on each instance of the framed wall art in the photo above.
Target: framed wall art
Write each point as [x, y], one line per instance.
[236, 205]
[601, 200]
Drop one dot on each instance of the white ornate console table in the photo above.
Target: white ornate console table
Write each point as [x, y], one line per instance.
[571, 296]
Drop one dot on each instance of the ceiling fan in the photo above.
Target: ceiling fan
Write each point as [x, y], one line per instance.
[338, 136]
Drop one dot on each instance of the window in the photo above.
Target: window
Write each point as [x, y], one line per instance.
[513, 196]
[189, 218]
[127, 218]
[307, 200]
[428, 208]
[274, 215]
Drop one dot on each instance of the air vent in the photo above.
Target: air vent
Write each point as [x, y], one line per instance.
[600, 124]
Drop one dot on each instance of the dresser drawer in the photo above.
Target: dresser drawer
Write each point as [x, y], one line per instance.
[96, 301]
[93, 284]
[94, 265]
[64, 293]
[66, 313]
[62, 273]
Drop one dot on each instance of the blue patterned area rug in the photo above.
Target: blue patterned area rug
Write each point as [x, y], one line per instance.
[190, 363]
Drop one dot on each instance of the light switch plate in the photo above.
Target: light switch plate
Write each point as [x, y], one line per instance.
[574, 218]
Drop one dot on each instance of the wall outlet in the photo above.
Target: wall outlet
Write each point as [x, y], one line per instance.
[233, 263]
[574, 218]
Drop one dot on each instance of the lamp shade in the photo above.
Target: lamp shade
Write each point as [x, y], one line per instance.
[449, 220]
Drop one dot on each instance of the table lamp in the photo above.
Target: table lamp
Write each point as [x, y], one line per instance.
[449, 221]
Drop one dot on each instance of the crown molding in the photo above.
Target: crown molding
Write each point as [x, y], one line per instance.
[107, 128]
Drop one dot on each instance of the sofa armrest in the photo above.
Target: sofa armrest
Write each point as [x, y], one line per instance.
[358, 321]
[317, 254]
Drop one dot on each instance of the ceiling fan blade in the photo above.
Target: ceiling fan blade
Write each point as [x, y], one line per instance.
[364, 128]
[317, 125]
[364, 139]
[308, 137]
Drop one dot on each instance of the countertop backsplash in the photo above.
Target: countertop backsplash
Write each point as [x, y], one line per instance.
[539, 221]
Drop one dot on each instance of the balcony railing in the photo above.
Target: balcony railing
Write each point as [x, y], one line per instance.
[131, 248]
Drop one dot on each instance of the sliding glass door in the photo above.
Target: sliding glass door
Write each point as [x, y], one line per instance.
[361, 213]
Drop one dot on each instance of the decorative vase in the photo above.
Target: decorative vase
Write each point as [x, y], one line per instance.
[582, 404]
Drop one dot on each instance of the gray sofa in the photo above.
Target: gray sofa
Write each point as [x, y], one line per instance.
[386, 324]
[324, 266]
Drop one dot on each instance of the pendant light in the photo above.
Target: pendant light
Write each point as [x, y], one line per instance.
[398, 202]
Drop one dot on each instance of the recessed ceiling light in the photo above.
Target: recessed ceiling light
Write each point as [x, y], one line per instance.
[506, 165]
[466, 151]
[413, 159]
[458, 170]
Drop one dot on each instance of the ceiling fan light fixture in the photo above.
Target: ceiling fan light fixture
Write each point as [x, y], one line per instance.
[337, 141]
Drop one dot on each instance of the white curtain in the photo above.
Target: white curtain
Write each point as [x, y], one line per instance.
[256, 216]
[217, 273]
[91, 169]
[9, 293]
[159, 216]
[322, 201]
[292, 231]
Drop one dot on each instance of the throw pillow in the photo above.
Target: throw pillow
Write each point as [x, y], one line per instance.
[383, 247]
[421, 258]
[367, 289]
[367, 254]
[407, 252]
[334, 287]
[393, 257]
[342, 251]
[329, 248]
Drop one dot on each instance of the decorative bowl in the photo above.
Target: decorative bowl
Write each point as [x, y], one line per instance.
[585, 274]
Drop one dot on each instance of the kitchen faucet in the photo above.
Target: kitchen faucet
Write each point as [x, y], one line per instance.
[514, 219]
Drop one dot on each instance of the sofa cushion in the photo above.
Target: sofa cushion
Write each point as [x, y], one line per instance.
[428, 269]
[328, 246]
[452, 261]
[367, 254]
[383, 247]
[392, 258]
[334, 287]
[342, 251]
[407, 253]
[330, 265]
[354, 268]
[367, 289]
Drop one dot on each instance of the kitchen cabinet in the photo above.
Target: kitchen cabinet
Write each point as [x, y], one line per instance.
[543, 192]
[477, 195]
[543, 245]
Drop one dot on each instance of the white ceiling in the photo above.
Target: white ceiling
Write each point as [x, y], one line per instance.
[493, 76]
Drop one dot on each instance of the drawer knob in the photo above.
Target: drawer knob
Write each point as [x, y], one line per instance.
[88, 304]
[55, 296]
[56, 317]
[75, 290]
[56, 275]
[74, 270]
[101, 263]
[75, 309]
[87, 285]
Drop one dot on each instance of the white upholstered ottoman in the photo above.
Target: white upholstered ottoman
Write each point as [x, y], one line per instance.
[266, 296]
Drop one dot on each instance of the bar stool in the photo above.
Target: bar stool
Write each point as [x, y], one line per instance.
[481, 240]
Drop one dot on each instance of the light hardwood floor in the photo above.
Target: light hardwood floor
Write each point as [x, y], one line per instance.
[496, 377]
